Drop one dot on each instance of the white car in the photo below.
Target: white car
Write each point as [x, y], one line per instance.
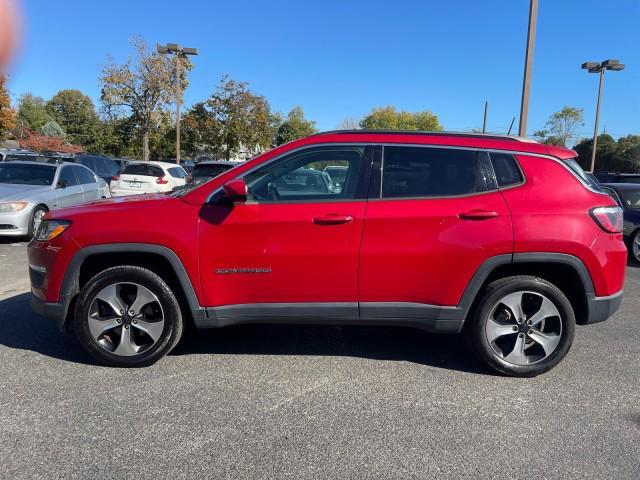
[148, 177]
[28, 190]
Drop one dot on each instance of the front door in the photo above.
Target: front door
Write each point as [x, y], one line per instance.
[292, 248]
[435, 221]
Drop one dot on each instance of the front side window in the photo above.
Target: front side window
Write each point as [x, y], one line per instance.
[301, 176]
[430, 172]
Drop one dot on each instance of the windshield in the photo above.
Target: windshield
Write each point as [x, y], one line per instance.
[26, 174]
[631, 198]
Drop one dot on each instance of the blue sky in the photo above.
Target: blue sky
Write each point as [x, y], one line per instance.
[339, 59]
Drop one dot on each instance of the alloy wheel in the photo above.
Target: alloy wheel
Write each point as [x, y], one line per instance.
[524, 327]
[126, 319]
[636, 246]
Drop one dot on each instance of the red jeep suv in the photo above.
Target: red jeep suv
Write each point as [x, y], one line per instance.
[505, 240]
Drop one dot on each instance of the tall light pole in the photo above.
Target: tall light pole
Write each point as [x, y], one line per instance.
[528, 64]
[179, 53]
[595, 67]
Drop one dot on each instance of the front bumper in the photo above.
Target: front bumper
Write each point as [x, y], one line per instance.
[15, 223]
[601, 308]
[52, 311]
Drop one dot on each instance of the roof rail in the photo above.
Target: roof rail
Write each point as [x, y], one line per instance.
[491, 136]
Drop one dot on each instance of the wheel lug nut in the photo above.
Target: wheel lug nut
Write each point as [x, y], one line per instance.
[529, 323]
[521, 335]
[121, 312]
[118, 320]
[530, 331]
[515, 329]
[134, 322]
[126, 326]
[131, 312]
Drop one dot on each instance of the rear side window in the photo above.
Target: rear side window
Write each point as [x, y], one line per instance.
[142, 169]
[68, 177]
[177, 172]
[506, 169]
[430, 172]
[84, 175]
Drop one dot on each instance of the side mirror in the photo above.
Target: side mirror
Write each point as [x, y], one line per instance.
[62, 184]
[235, 190]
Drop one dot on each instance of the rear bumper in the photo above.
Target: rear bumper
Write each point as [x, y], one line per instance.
[601, 308]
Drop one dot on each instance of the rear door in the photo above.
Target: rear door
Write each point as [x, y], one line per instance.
[430, 223]
[69, 190]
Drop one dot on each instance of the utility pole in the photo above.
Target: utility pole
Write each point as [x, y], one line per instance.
[179, 54]
[484, 121]
[528, 64]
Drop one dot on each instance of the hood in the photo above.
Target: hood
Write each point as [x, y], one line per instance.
[10, 192]
[114, 203]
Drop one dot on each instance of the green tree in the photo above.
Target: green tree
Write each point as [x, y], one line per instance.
[606, 154]
[628, 152]
[236, 118]
[75, 113]
[52, 129]
[561, 127]
[295, 126]
[32, 111]
[7, 114]
[142, 88]
[388, 118]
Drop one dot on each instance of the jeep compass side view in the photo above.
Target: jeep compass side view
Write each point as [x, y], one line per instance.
[504, 240]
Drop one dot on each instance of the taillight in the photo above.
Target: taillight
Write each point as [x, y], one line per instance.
[610, 219]
[161, 181]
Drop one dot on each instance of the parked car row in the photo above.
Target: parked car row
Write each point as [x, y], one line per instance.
[29, 189]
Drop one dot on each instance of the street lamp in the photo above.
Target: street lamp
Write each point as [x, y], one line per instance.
[179, 53]
[595, 67]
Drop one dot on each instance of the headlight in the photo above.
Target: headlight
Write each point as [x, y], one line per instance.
[12, 206]
[50, 229]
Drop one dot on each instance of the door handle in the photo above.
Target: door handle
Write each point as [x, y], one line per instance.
[333, 219]
[479, 215]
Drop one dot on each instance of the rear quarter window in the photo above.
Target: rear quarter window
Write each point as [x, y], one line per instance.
[506, 169]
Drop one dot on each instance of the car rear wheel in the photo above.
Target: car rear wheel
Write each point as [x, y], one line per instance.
[523, 326]
[127, 316]
[36, 219]
[635, 246]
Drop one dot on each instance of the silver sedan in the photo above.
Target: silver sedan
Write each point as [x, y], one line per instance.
[28, 190]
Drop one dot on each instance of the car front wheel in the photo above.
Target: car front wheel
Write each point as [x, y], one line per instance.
[523, 326]
[127, 316]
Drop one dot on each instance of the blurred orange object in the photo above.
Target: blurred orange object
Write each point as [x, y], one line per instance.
[9, 30]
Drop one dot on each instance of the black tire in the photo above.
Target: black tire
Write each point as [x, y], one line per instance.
[36, 211]
[632, 239]
[172, 316]
[489, 300]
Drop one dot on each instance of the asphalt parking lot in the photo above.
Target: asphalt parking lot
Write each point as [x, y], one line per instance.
[313, 402]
